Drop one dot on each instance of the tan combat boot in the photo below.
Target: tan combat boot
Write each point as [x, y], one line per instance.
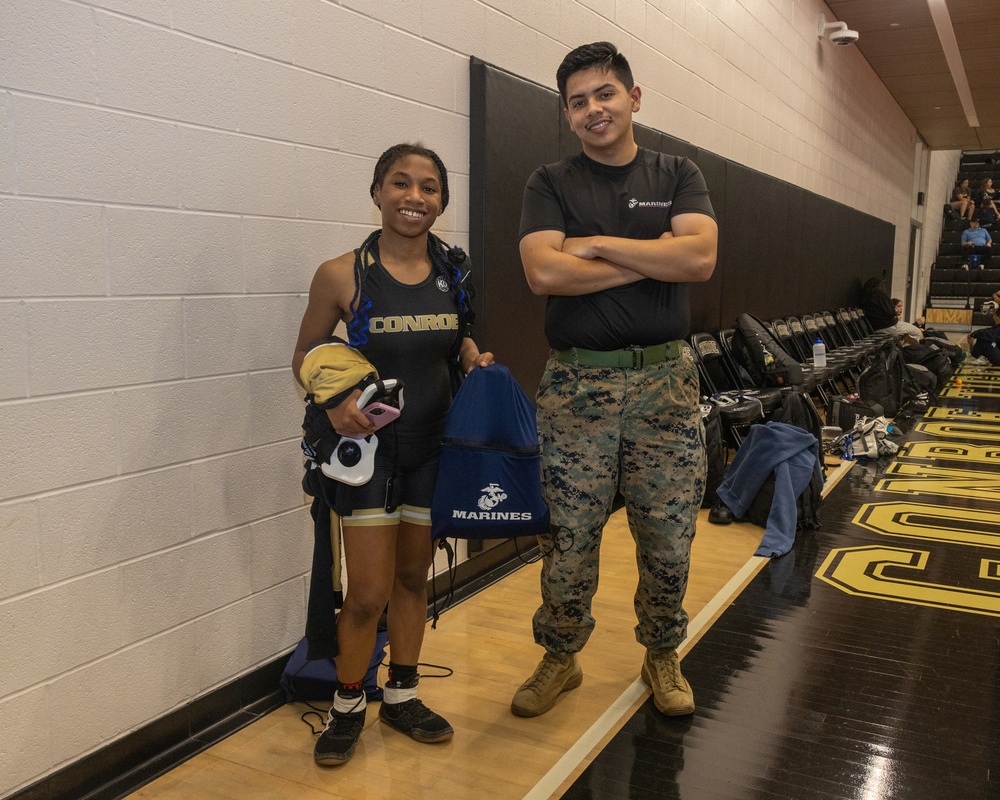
[554, 675]
[672, 693]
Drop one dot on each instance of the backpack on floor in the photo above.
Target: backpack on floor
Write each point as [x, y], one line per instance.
[931, 357]
[797, 408]
[762, 356]
[882, 380]
[306, 679]
[807, 504]
[919, 383]
[955, 353]
[845, 411]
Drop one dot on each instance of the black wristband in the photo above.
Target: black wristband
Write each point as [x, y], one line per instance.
[333, 402]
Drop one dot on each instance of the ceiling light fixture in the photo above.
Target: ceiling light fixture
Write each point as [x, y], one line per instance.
[946, 33]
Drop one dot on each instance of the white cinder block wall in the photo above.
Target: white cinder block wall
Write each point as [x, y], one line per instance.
[942, 171]
[171, 173]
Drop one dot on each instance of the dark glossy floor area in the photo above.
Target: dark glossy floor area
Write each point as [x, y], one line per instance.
[865, 664]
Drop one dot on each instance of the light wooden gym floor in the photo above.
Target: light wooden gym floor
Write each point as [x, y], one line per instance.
[487, 641]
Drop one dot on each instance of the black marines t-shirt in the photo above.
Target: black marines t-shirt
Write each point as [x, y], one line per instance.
[582, 197]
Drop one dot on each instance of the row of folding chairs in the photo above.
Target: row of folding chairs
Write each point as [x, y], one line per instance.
[849, 340]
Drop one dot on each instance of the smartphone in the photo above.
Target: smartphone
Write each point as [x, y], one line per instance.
[382, 401]
[380, 414]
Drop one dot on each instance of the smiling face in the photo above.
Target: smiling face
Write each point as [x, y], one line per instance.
[409, 195]
[599, 110]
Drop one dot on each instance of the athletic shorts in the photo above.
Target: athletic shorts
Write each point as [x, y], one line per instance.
[386, 499]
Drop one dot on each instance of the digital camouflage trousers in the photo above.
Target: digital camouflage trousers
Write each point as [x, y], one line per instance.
[605, 430]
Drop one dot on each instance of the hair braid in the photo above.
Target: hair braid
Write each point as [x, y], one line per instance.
[361, 304]
[446, 262]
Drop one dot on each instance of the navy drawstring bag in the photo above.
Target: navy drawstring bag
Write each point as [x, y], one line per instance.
[489, 482]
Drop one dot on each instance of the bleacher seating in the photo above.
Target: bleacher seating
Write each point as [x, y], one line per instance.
[976, 166]
[952, 287]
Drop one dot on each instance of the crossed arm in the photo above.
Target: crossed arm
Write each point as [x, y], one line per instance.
[557, 265]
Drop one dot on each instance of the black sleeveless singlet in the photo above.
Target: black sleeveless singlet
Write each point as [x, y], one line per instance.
[412, 330]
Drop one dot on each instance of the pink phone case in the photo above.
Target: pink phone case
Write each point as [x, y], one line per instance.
[380, 414]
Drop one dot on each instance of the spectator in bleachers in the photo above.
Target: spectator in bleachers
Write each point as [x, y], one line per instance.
[880, 311]
[985, 191]
[961, 199]
[985, 343]
[976, 242]
[987, 214]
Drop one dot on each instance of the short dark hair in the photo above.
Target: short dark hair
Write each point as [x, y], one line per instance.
[398, 151]
[602, 55]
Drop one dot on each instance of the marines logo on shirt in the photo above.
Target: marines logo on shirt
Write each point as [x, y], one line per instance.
[634, 203]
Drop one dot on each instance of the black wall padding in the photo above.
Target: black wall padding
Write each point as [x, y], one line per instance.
[782, 249]
[707, 297]
[514, 130]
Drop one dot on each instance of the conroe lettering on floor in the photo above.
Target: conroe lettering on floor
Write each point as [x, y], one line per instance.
[899, 573]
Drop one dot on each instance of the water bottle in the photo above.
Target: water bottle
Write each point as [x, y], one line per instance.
[819, 353]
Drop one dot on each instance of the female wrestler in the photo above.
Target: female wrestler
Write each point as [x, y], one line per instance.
[405, 311]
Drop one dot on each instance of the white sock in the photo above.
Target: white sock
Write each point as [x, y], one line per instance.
[392, 695]
[349, 705]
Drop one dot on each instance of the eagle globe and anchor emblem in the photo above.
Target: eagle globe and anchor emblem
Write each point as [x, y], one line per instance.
[492, 496]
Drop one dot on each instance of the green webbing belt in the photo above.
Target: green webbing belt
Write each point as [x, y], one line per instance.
[626, 358]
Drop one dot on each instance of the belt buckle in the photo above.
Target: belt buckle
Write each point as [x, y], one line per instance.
[638, 356]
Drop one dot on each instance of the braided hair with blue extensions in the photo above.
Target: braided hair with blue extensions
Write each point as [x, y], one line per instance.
[445, 261]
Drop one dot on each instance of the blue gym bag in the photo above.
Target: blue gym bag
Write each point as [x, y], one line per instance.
[305, 679]
[489, 480]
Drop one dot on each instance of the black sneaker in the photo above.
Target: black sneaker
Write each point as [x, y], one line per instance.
[336, 743]
[415, 719]
[720, 514]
